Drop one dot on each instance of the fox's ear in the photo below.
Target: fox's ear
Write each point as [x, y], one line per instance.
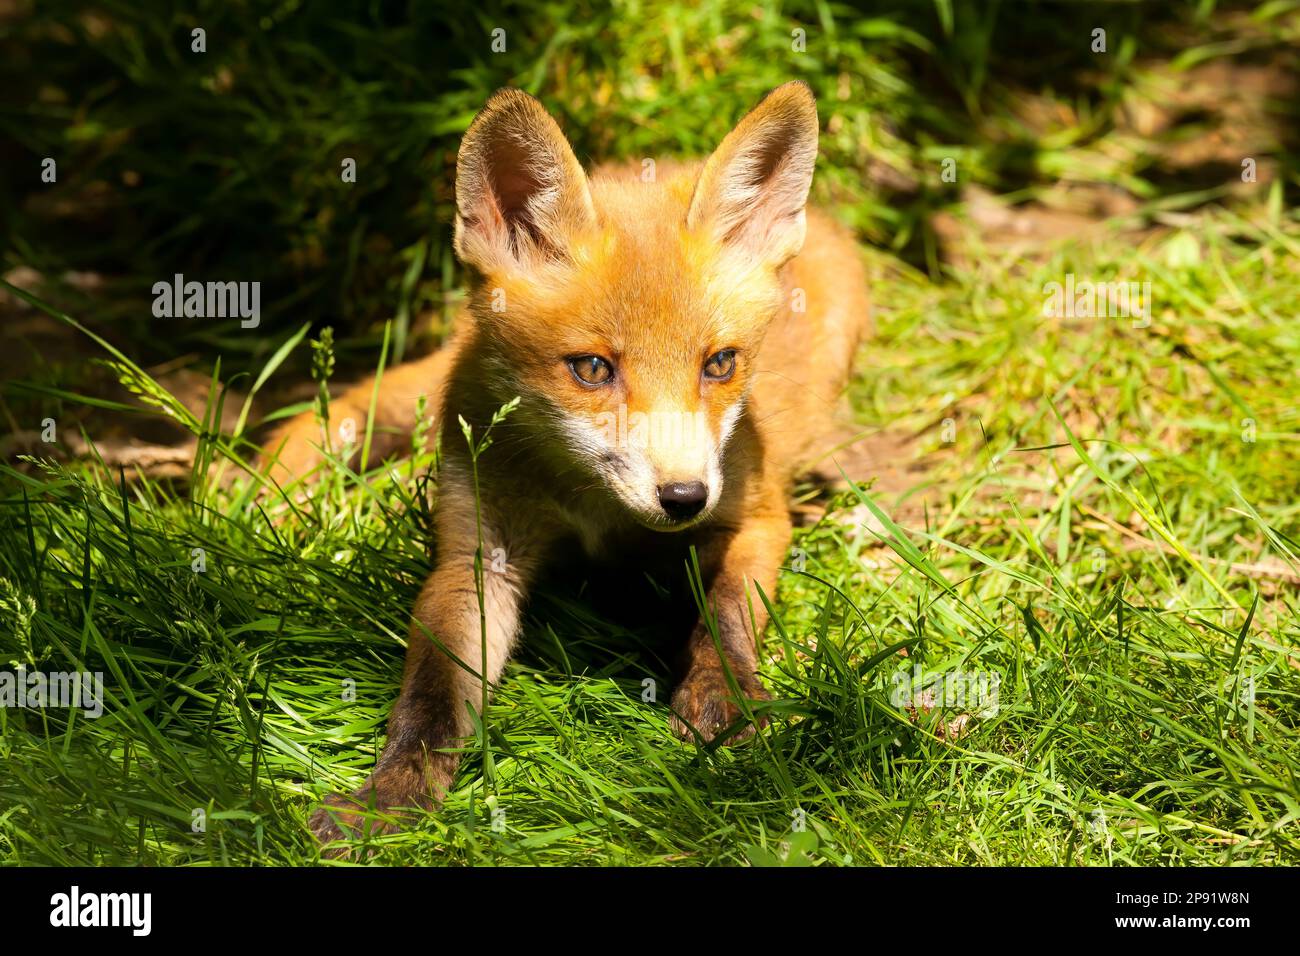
[754, 187]
[520, 191]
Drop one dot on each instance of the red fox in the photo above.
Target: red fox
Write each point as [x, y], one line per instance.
[680, 348]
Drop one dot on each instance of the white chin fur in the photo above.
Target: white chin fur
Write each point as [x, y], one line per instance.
[634, 484]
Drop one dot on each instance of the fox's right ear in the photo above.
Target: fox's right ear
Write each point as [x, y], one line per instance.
[520, 191]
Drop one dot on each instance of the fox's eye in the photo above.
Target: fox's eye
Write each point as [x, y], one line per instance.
[720, 365]
[591, 369]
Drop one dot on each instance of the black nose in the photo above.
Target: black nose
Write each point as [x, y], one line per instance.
[683, 500]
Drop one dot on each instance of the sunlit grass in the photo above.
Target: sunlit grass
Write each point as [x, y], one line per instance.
[1094, 524]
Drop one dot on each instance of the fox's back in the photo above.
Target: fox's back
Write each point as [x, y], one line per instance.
[807, 356]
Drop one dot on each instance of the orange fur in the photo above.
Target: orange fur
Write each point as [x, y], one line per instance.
[660, 280]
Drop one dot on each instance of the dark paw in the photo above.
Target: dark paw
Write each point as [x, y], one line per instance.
[704, 707]
[365, 813]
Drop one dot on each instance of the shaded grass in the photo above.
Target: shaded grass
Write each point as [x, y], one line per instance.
[1099, 533]
[226, 164]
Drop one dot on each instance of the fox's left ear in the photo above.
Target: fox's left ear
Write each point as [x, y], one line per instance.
[754, 187]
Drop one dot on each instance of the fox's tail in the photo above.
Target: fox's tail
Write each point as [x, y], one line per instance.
[294, 448]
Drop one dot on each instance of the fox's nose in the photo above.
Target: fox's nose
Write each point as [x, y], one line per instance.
[682, 500]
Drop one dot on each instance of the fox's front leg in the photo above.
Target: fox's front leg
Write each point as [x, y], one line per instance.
[444, 666]
[704, 701]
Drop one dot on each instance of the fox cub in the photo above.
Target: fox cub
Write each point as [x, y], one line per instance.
[680, 347]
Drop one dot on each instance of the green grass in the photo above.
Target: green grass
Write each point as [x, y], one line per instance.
[1101, 533]
[1103, 516]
